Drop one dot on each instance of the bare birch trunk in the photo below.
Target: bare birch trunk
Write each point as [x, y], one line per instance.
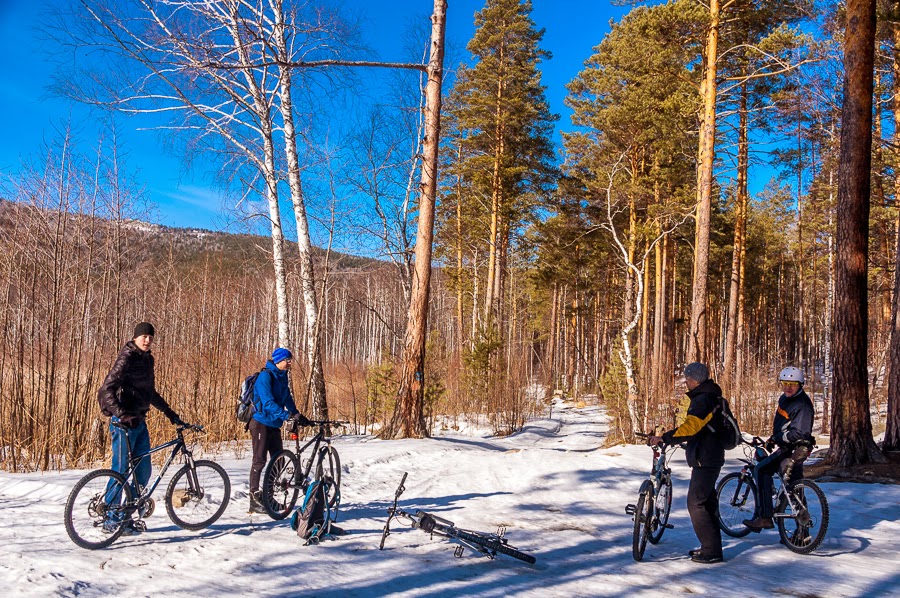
[313, 336]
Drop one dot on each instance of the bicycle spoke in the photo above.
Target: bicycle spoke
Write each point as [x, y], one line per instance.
[96, 509]
[197, 497]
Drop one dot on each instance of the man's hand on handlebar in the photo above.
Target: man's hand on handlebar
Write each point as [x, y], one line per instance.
[655, 441]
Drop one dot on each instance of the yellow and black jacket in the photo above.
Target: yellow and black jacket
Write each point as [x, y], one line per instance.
[704, 449]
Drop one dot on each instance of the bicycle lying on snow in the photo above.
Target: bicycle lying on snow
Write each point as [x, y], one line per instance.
[486, 544]
[801, 510]
[104, 501]
[651, 513]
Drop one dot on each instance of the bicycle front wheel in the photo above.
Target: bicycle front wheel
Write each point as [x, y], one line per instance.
[329, 466]
[737, 497]
[642, 514]
[95, 509]
[197, 496]
[280, 487]
[662, 505]
[803, 520]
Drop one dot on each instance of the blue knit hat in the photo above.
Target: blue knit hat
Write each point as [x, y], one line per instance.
[280, 354]
[696, 371]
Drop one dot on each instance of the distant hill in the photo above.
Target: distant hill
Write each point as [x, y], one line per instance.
[188, 245]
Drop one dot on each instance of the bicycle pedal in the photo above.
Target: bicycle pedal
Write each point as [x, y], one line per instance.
[669, 526]
[458, 552]
[630, 509]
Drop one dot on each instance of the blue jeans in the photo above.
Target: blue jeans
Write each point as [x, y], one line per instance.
[139, 439]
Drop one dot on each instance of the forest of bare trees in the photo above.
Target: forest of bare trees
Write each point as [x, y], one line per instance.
[498, 270]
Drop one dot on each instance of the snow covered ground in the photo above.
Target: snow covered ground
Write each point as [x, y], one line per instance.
[561, 497]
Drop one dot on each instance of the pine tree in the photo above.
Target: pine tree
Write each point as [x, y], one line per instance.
[505, 151]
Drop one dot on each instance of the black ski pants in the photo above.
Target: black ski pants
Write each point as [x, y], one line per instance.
[266, 443]
[703, 507]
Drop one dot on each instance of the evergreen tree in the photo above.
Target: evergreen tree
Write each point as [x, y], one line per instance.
[505, 162]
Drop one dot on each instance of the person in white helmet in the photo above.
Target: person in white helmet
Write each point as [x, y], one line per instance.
[789, 444]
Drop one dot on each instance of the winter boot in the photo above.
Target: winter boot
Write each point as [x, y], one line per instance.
[759, 524]
[256, 505]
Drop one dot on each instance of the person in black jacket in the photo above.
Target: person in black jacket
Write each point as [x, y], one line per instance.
[125, 397]
[792, 435]
[705, 454]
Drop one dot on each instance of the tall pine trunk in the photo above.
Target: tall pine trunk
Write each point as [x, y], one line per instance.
[696, 349]
[409, 412]
[851, 425]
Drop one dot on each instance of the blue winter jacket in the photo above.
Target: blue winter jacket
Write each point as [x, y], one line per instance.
[272, 397]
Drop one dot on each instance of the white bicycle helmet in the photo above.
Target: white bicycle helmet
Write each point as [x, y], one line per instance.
[791, 374]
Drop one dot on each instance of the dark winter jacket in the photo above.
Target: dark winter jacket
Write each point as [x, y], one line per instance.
[704, 449]
[272, 397]
[793, 420]
[130, 389]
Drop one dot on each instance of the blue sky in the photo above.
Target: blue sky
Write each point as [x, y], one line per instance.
[30, 115]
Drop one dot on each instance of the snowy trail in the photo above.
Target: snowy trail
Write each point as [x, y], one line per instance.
[561, 497]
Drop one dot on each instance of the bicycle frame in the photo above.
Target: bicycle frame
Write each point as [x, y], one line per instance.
[179, 446]
[303, 471]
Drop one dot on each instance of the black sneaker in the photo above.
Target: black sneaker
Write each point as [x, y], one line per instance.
[706, 559]
[336, 531]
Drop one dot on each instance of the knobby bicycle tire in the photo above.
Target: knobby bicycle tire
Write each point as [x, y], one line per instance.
[803, 532]
[87, 508]
[280, 487]
[662, 506]
[329, 465]
[737, 499]
[641, 524]
[493, 545]
[195, 508]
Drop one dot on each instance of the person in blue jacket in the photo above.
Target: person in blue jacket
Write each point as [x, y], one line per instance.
[274, 406]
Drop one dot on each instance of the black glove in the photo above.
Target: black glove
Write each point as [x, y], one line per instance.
[300, 419]
[177, 421]
[130, 420]
[770, 444]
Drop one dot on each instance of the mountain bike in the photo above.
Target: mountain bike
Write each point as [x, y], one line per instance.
[651, 513]
[801, 509]
[484, 543]
[288, 472]
[104, 501]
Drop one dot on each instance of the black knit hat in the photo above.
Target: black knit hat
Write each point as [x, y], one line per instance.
[143, 328]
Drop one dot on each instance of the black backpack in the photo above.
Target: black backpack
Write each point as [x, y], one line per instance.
[724, 425]
[312, 519]
[245, 407]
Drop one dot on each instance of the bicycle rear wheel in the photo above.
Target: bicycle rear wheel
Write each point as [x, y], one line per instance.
[737, 497]
[804, 530]
[493, 545]
[329, 466]
[662, 505]
[280, 488]
[95, 509]
[642, 515]
[194, 503]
